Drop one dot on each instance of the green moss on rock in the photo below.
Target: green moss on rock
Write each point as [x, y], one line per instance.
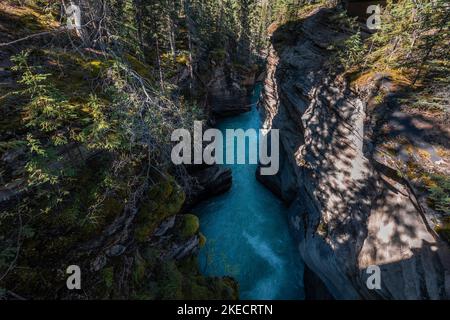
[202, 240]
[190, 225]
[199, 287]
[143, 69]
[164, 200]
[139, 270]
[108, 277]
[170, 283]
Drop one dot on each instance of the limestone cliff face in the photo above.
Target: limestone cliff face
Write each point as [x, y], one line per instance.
[226, 85]
[228, 91]
[345, 213]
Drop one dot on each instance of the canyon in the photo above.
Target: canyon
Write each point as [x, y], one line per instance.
[361, 183]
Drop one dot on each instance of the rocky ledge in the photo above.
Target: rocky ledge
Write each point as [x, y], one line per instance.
[209, 181]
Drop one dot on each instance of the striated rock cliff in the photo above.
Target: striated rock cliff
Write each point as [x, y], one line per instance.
[229, 92]
[348, 211]
[225, 84]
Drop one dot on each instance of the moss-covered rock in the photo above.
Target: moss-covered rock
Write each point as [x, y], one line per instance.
[143, 69]
[201, 240]
[139, 270]
[190, 225]
[24, 19]
[164, 200]
[68, 222]
[170, 282]
[199, 287]
[108, 277]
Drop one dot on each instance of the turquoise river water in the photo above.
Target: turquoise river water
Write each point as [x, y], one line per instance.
[247, 231]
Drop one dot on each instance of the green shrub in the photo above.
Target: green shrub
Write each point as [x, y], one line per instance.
[444, 229]
[439, 197]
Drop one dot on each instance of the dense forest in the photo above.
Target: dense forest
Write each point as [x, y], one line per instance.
[87, 113]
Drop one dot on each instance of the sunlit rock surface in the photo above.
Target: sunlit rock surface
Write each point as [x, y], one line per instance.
[346, 214]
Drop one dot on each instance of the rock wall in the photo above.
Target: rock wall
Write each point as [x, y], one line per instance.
[345, 214]
[225, 84]
[229, 92]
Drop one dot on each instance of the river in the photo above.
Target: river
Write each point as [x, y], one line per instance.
[247, 231]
